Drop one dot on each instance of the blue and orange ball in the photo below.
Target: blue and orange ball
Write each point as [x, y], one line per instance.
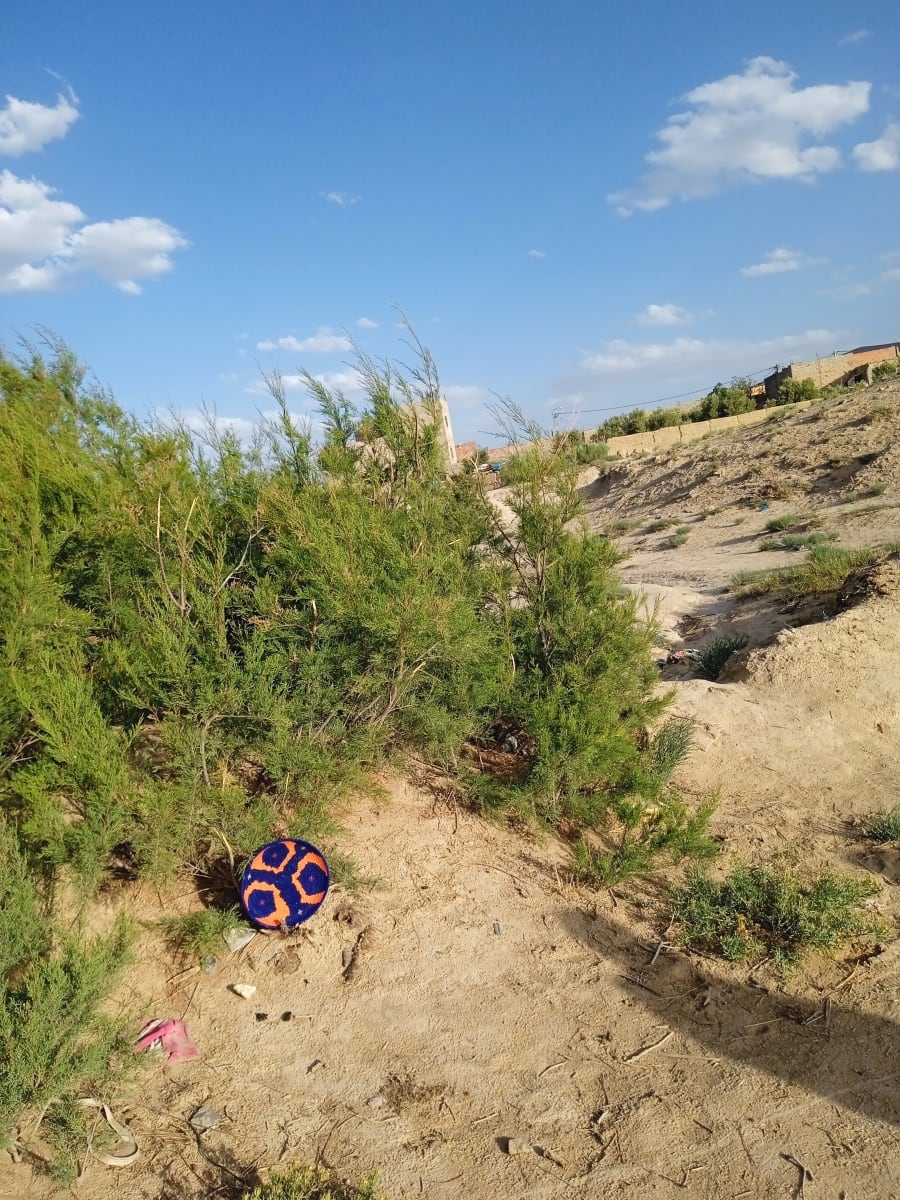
[284, 884]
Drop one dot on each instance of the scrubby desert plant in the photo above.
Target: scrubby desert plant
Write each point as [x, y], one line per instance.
[797, 541]
[771, 912]
[883, 827]
[792, 391]
[715, 654]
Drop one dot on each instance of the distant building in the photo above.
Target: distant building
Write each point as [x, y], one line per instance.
[466, 452]
[850, 366]
[415, 417]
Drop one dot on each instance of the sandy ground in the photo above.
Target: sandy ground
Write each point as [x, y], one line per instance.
[488, 999]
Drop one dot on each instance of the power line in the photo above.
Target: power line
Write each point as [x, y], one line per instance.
[574, 412]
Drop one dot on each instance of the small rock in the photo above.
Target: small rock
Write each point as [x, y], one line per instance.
[238, 937]
[244, 990]
[315, 1065]
[497, 929]
[262, 1016]
[287, 1016]
[515, 1146]
[205, 1118]
[346, 958]
[376, 1101]
[209, 964]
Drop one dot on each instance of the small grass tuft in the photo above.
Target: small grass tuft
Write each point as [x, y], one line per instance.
[790, 521]
[715, 654]
[680, 536]
[660, 525]
[624, 525]
[771, 912]
[823, 571]
[884, 827]
[649, 841]
[797, 541]
[200, 933]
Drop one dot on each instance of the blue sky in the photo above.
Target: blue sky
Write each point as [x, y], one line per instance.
[580, 208]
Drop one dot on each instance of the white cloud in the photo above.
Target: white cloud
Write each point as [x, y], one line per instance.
[776, 262]
[847, 291]
[664, 314]
[45, 243]
[367, 323]
[323, 341]
[348, 381]
[622, 356]
[881, 155]
[25, 127]
[536, 254]
[465, 395]
[853, 39]
[892, 276]
[742, 129]
[121, 252]
[341, 199]
[199, 422]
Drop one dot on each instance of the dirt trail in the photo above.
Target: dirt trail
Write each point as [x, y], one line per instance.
[490, 1001]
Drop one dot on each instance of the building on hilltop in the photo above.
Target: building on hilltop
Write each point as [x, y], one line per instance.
[838, 369]
[416, 417]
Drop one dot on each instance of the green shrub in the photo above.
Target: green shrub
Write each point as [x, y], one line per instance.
[797, 541]
[56, 1043]
[200, 933]
[663, 418]
[822, 572]
[884, 827]
[680, 536]
[623, 525]
[591, 453]
[725, 401]
[715, 654]
[886, 370]
[660, 525]
[770, 911]
[790, 521]
[793, 390]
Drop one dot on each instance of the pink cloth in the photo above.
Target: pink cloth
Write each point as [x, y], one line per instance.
[169, 1036]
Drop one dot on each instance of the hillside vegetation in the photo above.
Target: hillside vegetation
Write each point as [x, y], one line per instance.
[205, 644]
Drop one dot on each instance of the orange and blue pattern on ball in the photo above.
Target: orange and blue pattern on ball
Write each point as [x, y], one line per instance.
[284, 883]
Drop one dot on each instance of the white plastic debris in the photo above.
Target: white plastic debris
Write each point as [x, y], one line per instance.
[238, 937]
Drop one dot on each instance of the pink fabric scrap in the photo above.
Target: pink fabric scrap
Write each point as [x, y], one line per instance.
[170, 1038]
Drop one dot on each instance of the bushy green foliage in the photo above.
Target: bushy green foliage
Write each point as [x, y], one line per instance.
[886, 370]
[55, 1043]
[311, 1183]
[823, 571]
[792, 391]
[725, 401]
[205, 642]
[884, 827]
[591, 453]
[200, 933]
[797, 541]
[790, 521]
[716, 653]
[771, 911]
[662, 418]
[649, 839]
